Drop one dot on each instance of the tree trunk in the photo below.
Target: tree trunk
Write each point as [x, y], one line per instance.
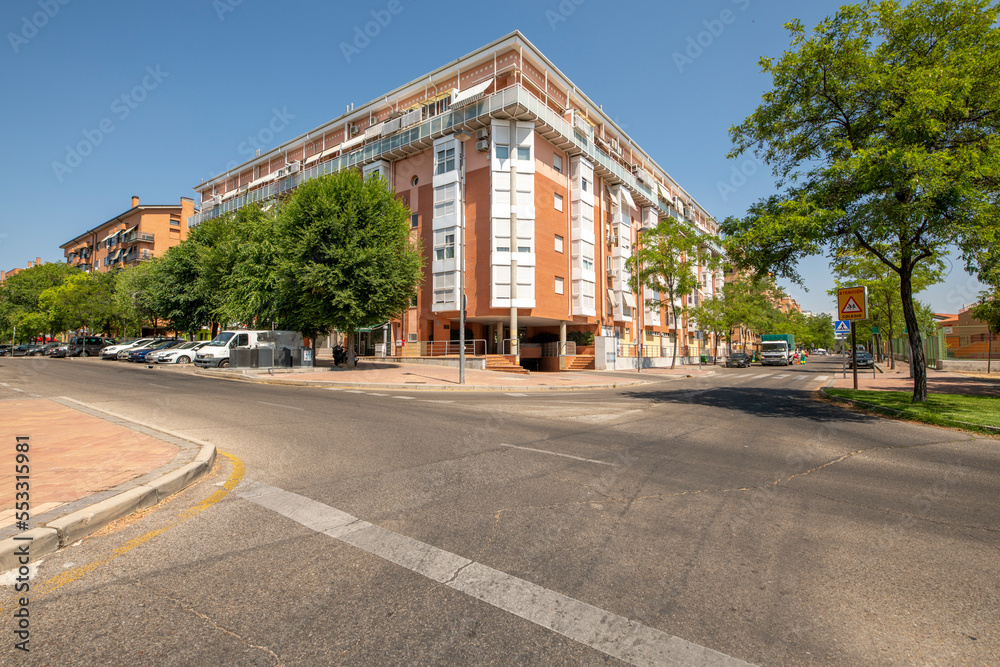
[350, 349]
[888, 312]
[673, 361]
[918, 362]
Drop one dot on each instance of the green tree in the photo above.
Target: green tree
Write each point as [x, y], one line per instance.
[19, 296]
[854, 268]
[347, 260]
[664, 262]
[84, 300]
[249, 258]
[710, 315]
[137, 296]
[881, 127]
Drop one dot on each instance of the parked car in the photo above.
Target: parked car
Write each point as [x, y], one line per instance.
[216, 354]
[182, 354]
[864, 360]
[123, 355]
[44, 350]
[4, 350]
[111, 351]
[88, 346]
[738, 360]
[139, 354]
[59, 352]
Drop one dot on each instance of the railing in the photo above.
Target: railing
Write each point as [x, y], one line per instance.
[443, 348]
[431, 129]
[557, 349]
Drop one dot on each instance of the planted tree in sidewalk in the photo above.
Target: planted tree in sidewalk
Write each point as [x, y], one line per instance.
[882, 129]
[665, 262]
[84, 300]
[137, 297]
[710, 315]
[853, 268]
[347, 260]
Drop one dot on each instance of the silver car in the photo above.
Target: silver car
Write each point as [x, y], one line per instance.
[182, 354]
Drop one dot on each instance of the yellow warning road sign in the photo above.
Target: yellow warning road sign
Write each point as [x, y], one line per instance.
[852, 303]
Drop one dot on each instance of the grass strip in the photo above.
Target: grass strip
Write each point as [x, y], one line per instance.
[978, 413]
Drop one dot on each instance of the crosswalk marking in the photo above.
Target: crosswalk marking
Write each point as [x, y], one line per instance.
[783, 375]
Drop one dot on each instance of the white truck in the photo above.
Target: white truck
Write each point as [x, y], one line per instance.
[216, 354]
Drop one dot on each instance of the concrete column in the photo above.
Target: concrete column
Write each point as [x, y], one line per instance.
[562, 338]
[513, 237]
[500, 336]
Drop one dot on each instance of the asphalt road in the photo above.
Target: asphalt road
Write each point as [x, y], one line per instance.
[697, 520]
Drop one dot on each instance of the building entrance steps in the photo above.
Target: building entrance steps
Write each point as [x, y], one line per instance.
[504, 364]
[581, 362]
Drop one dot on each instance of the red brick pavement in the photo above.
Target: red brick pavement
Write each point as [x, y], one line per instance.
[72, 455]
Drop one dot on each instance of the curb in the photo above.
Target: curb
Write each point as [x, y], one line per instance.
[892, 412]
[66, 530]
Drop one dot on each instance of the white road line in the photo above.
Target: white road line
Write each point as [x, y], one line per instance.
[566, 456]
[591, 626]
[824, 378]
[372, 393]
[354, 391]
[426, 400]
[153, 384]
[763, 375]
[783, 375]
[404, 398]
[279, 405]
[513, 393]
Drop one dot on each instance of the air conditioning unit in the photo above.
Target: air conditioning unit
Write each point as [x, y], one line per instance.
[611, 272]
[292, 168]
[483, 133]
[642, 175]
[483, 145]
[354, 129]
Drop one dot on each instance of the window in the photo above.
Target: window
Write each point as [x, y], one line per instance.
[523, 153]
[445, 160]
[503, 153]
[523, 248]
[444, 200]
[444, 287]
[559, 285]
[175, 221]
[559, 202]
[414, 181]
[413, 304]
[585, 185]
[559, 243]
[414, 220]
[588, 264]
[411, 337]
[503, 248]
[444, 244]
[557, 163]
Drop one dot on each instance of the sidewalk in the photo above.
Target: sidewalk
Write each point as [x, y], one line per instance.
[373, 375]
[84, 469]
[938, 382]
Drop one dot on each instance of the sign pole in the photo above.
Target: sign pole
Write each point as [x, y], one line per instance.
[854, 354]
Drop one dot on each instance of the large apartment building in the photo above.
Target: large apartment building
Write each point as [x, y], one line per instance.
[139, 233]
[512, 173]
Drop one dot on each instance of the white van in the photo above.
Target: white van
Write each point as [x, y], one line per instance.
[216, 354]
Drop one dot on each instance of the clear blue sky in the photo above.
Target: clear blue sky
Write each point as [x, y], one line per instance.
[168, 93]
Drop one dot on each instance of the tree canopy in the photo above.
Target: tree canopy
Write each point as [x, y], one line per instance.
[881, 128]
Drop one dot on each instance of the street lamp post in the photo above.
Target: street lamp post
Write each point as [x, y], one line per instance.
[462, 136]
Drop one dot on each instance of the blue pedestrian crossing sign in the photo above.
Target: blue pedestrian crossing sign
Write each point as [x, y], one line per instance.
[841, 326]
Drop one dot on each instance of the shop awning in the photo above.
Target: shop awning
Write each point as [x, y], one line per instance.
[471, 94]
[627, 196]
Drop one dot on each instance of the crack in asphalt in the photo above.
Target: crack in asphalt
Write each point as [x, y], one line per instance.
[191, 610]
